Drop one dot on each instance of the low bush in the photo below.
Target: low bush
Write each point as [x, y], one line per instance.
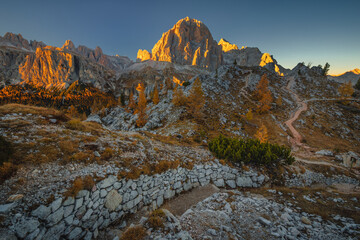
[156, 219]
[132, 233]
[250, 151]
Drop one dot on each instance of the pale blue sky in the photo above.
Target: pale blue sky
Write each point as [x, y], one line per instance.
[293, 31]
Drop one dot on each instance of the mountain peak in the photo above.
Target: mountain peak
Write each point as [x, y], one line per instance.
[188, 42]
[69, 45]
[355, 71]
[227, 46]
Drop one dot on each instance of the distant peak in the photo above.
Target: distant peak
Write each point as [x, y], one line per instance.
[227, 46]
[356, 71]
[68, 45]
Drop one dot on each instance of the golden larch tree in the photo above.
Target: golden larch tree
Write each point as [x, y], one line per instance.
[196, 99]
[141, 107]
[262, 134]
[263, 94]
[156, 95]
[346, 90]
[249, 115]
[178, 97]
[132, 104]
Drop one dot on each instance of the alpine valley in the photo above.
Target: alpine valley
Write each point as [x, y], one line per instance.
[195, 139]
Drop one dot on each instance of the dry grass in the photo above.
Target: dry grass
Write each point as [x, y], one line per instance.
[79, 184]
[323, 207]
[165, 165]
[6, 171]
[28, 109]
[107, 154]
[134, 233]
[156, 219]
[68, 147]
[92, 127]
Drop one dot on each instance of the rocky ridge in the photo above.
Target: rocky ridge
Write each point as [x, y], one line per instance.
[352, 76]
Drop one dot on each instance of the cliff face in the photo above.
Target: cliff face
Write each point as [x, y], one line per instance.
[53, 67]
[35, 63]
[189, 42]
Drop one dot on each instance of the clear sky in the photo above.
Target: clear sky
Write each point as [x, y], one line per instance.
[316, 31]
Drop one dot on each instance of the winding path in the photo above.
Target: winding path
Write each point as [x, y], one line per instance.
[296, 140]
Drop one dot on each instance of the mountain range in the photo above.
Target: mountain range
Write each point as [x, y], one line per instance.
[189, 42]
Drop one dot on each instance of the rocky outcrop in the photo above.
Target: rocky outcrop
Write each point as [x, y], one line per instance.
[17, 40]
[143, 55]
[226, 46]
[189, 42]
[112, 62]
[251, 57]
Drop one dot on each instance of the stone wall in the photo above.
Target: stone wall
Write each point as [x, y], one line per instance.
[111, 199]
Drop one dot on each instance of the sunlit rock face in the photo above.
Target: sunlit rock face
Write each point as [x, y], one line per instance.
[53, 67]
[226, 46]
[249, 57]
[189, 42]
[143, 55]
[352, 76]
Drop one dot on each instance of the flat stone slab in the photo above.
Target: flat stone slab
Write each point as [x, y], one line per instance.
[183, 202]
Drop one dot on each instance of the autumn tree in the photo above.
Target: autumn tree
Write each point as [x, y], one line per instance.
[346, 90]
[141, 107]
[263, 95]
[196, 99]
[279, 101]
[262, 134]
[131, 104]
[249, 115]
[72, 111]
[179, 98]
[156, 95]
[95, 107]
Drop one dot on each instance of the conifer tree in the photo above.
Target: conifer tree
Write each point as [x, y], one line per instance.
[156, 95]
[141, 108]
[196, 99]
[346, 90]
[178, 97]
[262, 134]
[132, 104]
[263, 95]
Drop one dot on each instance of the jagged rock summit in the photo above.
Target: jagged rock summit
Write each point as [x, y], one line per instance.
[17, 41]
[226, 46]
[189, 42]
